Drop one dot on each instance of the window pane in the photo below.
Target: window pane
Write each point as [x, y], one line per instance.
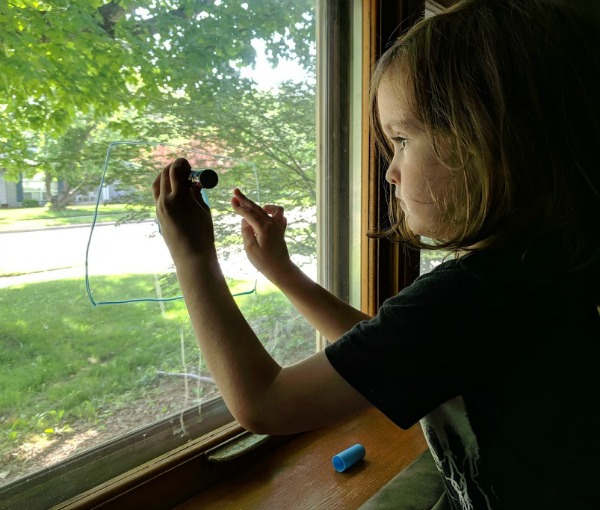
[231, 84]
[430, 258]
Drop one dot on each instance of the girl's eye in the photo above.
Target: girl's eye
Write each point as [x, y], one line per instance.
[401, 141]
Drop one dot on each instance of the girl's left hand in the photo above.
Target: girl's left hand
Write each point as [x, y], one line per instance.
[185, 219]
[263, 231]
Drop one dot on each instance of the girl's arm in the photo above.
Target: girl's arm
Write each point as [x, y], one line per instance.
[263, 396]
[263, 231]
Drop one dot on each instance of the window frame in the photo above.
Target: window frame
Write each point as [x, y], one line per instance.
[386, 267]
[353, 170]
[122, 467]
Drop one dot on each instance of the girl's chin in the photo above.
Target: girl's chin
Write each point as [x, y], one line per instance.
[418, 227]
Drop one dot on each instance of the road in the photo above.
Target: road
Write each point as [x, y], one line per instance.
[57, 253]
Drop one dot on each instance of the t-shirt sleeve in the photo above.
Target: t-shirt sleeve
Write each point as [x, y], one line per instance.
[423, 347]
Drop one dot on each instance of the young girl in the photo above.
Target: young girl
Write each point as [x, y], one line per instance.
[490, 116]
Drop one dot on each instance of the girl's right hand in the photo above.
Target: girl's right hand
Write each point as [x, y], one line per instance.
[263, 230]
[185, 219]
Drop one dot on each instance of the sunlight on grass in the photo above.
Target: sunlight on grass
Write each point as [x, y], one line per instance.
[64, 360]
[12, 219]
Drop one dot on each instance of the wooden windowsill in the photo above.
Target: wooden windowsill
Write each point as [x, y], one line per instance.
[298, 475]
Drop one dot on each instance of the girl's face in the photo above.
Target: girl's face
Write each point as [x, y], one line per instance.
[418, 177]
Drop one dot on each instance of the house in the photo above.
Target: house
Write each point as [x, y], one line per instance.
[11, 193]
[27, 191]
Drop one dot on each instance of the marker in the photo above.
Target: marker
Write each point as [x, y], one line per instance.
[206, 178]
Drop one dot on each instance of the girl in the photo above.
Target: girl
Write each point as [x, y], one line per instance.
[490, 119]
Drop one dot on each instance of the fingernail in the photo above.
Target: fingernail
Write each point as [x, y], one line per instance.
[181, 163]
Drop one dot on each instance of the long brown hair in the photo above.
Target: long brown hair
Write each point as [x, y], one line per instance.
[513, 87]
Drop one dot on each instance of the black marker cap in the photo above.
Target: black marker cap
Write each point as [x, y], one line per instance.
[206, 178]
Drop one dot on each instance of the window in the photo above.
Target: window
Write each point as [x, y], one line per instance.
[428, 258]
[385, 265]
[101, 96]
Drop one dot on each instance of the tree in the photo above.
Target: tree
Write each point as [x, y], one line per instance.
[83, 73]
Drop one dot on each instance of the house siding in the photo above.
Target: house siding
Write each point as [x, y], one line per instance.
[8, 192]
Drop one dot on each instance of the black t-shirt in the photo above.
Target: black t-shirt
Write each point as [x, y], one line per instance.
[499, 363]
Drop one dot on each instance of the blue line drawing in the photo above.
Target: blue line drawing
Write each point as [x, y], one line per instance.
[134, 187]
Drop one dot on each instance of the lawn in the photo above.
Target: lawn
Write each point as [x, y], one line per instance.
[63, 361]
[66, 364]
[29, 218]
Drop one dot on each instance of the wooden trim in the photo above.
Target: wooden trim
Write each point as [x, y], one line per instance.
[386, 269]
[96, 466]
[274, 474]
[131, 490]
[299, 474]
[368, 180]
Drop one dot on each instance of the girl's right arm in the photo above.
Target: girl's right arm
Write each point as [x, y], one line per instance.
[263, 396]
[263, 231]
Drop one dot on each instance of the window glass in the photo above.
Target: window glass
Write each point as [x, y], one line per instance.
[431, 258]
[98, 97]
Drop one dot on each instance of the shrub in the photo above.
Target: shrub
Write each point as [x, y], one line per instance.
[31, 203]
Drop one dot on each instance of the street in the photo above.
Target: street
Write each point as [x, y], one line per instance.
[58, 253]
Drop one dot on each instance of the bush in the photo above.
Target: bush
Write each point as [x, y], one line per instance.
[31, 203]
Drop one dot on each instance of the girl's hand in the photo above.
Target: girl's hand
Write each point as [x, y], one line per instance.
[263, 230]
[185, 219]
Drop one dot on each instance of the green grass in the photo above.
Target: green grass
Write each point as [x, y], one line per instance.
[63, 360]
[28, 218]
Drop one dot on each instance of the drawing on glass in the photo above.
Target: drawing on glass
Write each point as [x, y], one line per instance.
[132, 245]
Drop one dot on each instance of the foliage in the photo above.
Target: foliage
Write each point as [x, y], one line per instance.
[31, 203]
[80, 74]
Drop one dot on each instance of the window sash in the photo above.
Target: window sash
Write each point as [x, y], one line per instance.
[68, 480]
[383, 268]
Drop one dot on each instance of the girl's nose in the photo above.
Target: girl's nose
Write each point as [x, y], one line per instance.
[392, 174]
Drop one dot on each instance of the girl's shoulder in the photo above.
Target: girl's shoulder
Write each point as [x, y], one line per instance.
[473, 264]
[507, 260]
[482, 272]
[514, 270]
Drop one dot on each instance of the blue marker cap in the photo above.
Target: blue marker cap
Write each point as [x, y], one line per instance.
[348, 457]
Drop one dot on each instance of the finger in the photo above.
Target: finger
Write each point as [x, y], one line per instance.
[249, 237]
[255, 216]
[179, 173]
[156, 187]
[276, 212]
[245, 202]
[248, 234]
[248, 209]
[165, 181]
